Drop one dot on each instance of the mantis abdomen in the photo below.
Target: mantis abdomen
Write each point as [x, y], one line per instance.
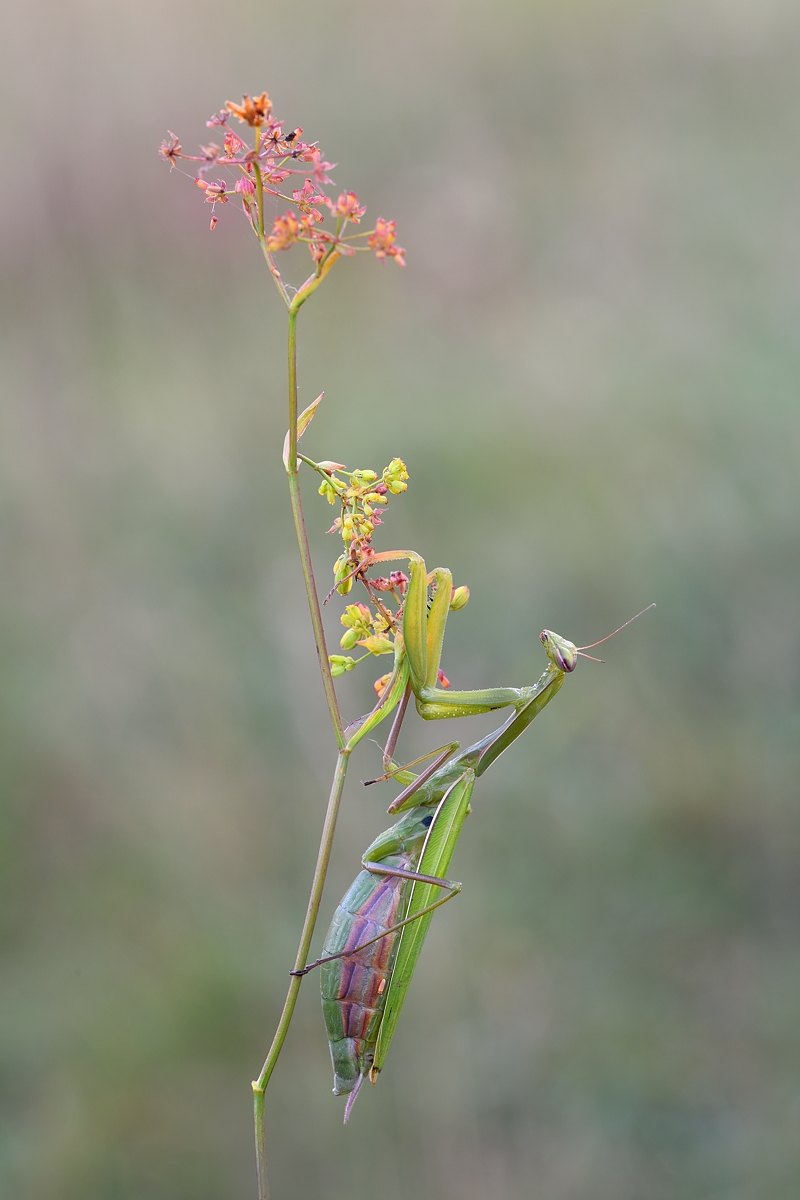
[354, 986]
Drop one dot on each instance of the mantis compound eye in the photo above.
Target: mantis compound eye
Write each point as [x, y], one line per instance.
[427, 820]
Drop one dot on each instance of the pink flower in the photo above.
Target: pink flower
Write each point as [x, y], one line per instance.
[347, 206]
[382, 241]
[285, 231]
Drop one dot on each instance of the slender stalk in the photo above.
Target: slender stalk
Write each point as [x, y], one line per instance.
[302, 541]
[259, 188]
[314, 900]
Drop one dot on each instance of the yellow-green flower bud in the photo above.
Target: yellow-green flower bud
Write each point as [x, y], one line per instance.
[349, 639]
[340, 664]
[341, 569]
[460, 598]
[394, 475]
[357, 616]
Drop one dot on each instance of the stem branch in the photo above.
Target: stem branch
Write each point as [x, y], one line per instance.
[302, 541]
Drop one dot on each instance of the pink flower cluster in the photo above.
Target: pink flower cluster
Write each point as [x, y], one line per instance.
[264, 167]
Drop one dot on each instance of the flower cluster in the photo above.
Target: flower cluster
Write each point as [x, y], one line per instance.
[362, 494]
[263, 168]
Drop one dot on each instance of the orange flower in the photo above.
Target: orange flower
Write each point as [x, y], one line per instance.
[254, 110]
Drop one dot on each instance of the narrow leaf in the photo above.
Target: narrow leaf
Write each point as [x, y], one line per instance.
[303, 422]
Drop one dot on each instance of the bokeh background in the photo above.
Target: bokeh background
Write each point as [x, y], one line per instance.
[591, 367]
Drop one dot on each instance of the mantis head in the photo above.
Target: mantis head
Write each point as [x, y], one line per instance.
[562, 654]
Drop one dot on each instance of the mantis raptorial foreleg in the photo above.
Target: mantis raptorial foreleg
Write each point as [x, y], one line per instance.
[423, 634]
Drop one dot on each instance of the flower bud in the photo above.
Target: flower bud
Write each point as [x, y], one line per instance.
[340, 664]
[358, 617]
[348, 639]
[394, 476]
[460, 598]
[341, 571]
[380, 684]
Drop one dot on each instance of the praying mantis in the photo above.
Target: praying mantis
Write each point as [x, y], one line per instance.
[379, 927]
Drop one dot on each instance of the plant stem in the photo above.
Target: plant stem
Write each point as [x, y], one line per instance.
[334, 800]
[314, 900]
[259, 188]
[302, 540]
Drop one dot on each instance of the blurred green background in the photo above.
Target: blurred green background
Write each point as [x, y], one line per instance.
[591, 367]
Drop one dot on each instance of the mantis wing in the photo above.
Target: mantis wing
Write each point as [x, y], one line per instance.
[436, 856]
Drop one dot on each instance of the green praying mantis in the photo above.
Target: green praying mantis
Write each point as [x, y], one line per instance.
[379, 927]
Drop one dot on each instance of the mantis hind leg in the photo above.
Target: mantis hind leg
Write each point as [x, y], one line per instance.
[453, 889]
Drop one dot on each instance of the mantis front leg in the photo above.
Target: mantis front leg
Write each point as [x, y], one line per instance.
[423, 635]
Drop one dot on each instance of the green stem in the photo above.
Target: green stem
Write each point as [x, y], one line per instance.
[259, 187]
[313, 281]
[314, 900]
[302, 540]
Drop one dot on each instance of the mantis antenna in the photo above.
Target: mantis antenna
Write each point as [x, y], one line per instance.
[591, 645]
